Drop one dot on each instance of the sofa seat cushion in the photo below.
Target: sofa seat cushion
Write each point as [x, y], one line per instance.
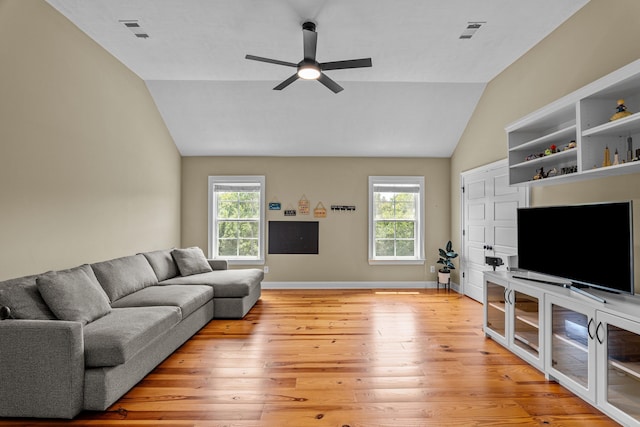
[118, 336]
[187, 298]
[22, 297]
[162, 263]
[226, 283]
[124, 276]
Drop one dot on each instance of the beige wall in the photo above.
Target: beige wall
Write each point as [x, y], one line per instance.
[343, 236]
[88, 170]
[597, 40]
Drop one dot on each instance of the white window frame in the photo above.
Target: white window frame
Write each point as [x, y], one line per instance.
[418, 258]
[239, 179]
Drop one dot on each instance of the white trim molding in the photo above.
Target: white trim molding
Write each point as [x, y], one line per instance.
[356, 285]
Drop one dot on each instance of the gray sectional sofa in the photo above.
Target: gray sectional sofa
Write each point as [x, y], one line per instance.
[79, 339]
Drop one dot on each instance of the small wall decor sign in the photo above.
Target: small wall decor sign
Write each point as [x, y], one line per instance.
[320, 211]
[343, 208]
[275, 206]
[303, 205]
[289, 211]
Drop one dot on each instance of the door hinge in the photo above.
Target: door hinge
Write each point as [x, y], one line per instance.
[463, 188]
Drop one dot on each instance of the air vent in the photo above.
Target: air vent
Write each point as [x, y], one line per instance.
[471, 29]
[135, 28]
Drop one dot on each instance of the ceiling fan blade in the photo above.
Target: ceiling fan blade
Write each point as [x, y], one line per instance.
[310, 39]
[270, 61]
[286, 82]
[325, 80]
[341, 65]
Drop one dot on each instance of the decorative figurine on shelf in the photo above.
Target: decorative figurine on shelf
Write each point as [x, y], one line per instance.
[607, 157]
[616, 158]
[621, 111]
[540, 174]
[573, 144]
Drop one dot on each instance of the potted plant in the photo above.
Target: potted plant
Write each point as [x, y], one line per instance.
[446, 255]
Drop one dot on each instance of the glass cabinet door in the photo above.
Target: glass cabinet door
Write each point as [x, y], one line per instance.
[570, 344]
[622, 369]
[572, 357]
[526, 325]
[495, 310]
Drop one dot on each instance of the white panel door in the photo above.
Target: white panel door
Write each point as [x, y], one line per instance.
[489, 223]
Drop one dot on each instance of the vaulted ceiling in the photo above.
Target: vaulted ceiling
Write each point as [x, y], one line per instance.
[415, 101]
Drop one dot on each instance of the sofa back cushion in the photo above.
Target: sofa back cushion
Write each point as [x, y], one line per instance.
[74, 294]
[22, 297]
[162, 263]
[123, 276]
[191, 261]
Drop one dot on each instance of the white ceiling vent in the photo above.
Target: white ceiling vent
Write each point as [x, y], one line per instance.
[471, 29]
[135, 28]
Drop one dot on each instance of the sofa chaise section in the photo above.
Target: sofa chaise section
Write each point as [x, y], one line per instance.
[235, 292]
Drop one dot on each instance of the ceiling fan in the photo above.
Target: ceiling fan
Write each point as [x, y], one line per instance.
[309, 68]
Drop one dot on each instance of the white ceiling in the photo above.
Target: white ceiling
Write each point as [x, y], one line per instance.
[415, 101]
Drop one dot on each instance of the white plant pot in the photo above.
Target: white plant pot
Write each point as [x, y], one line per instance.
[443, 277]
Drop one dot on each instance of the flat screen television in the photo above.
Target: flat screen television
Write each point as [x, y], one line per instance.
[588, 245]
[293, 237]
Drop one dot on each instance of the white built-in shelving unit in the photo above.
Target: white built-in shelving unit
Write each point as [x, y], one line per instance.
[584, 117]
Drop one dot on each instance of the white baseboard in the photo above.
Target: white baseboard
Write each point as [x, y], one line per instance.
[353, 285]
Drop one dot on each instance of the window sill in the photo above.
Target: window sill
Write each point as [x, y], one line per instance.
[396, 261]
[244, 261]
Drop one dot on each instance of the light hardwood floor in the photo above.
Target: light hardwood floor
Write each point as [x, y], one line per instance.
[346, 358]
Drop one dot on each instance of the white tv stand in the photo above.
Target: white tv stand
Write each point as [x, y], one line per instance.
[591, 348]
[564, 285]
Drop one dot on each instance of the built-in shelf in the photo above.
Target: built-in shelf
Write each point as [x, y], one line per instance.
[528, 339]
[573, 343]
[528, 317]
[584, 117]
[550, 159]
[498, 306]
[566, 134]
[630, 368]
[620, 127]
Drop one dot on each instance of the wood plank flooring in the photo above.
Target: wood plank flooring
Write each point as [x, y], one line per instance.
[346, 358]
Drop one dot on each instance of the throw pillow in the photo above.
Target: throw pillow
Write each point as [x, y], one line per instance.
[162, 263]
[191, 261]
[123, 276]
[23, 299]
[74, 294]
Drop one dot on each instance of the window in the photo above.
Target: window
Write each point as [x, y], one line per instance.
[236, 218]
[396, 219]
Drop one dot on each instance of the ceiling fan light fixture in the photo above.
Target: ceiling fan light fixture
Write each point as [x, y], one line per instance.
[309, 68]
[309, 72]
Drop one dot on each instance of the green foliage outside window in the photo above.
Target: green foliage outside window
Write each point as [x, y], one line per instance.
[395, 224]
[238, 219]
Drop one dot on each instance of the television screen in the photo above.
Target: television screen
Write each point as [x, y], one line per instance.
[293, 237]
[587, 244]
